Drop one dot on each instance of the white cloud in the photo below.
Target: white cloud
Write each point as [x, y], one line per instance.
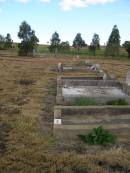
[46, 1]
[23, 1]
[0, 10]
[69, 4]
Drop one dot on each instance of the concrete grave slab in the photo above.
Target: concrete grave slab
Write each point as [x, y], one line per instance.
[128, 78]
[70, 121]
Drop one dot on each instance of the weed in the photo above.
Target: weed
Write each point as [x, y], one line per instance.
[84, 102]
[117, 102]
[98, 136]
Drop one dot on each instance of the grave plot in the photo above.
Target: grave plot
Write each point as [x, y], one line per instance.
[127, 84]
[69, 89]
[71, 121]
[84, 66]
[128, 78]
[99, 95]
[80, 69]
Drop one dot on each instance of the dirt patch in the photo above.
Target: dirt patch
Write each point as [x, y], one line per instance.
[9, 110]
[26, 82]
[19, 100]
[4, 130]
[49, 100]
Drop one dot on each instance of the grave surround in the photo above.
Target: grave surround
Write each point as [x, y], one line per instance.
[75, 86]
[70, 121]
[128, 78]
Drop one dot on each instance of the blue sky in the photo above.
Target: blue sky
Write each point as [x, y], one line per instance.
[67, 17]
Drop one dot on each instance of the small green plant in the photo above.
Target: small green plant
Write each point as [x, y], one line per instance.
[98, 136]
[117, 102]
[84, 102]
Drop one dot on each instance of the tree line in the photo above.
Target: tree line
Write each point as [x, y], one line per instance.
[29, 42]
[5, 42]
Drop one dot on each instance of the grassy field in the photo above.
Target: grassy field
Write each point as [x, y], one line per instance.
[83, 51]
[27, 97]
[43, 50]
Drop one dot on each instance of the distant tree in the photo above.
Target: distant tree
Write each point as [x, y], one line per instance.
[78, 42]
[8, 41]
[113, 44]
[95, 44]
[92, 48]
[126, 45]
[29, 39]
[2, 42]
[64, 46]
[55, 43]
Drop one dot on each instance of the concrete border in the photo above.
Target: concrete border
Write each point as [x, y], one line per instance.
[69, 132]
[91, 110]
[89, 81]
[70, 121]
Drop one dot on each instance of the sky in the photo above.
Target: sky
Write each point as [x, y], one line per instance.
[67, 17]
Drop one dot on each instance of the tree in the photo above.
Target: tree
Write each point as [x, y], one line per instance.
[92, 48]
[29, 39]
[126, 45]
[95, 44]
[64, 46]
[2, 41]
[55, 42]
[113, 43]
[78, 42]
[8, 41]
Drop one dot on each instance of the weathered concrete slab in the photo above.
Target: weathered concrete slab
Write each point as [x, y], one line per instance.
[77, 120]
[89, 82]
[70, 132]
[76, 68]
[71, 88]
[128, 78]
[91, 110]
[92, 91]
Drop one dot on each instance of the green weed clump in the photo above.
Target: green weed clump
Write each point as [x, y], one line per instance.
[84, 102]
[117, 102]
[98, 136]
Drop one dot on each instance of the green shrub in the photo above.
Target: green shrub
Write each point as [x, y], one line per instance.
[84, 102]
[117, 102]
[98, 136]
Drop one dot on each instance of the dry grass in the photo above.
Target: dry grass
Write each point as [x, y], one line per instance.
[27, 97]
